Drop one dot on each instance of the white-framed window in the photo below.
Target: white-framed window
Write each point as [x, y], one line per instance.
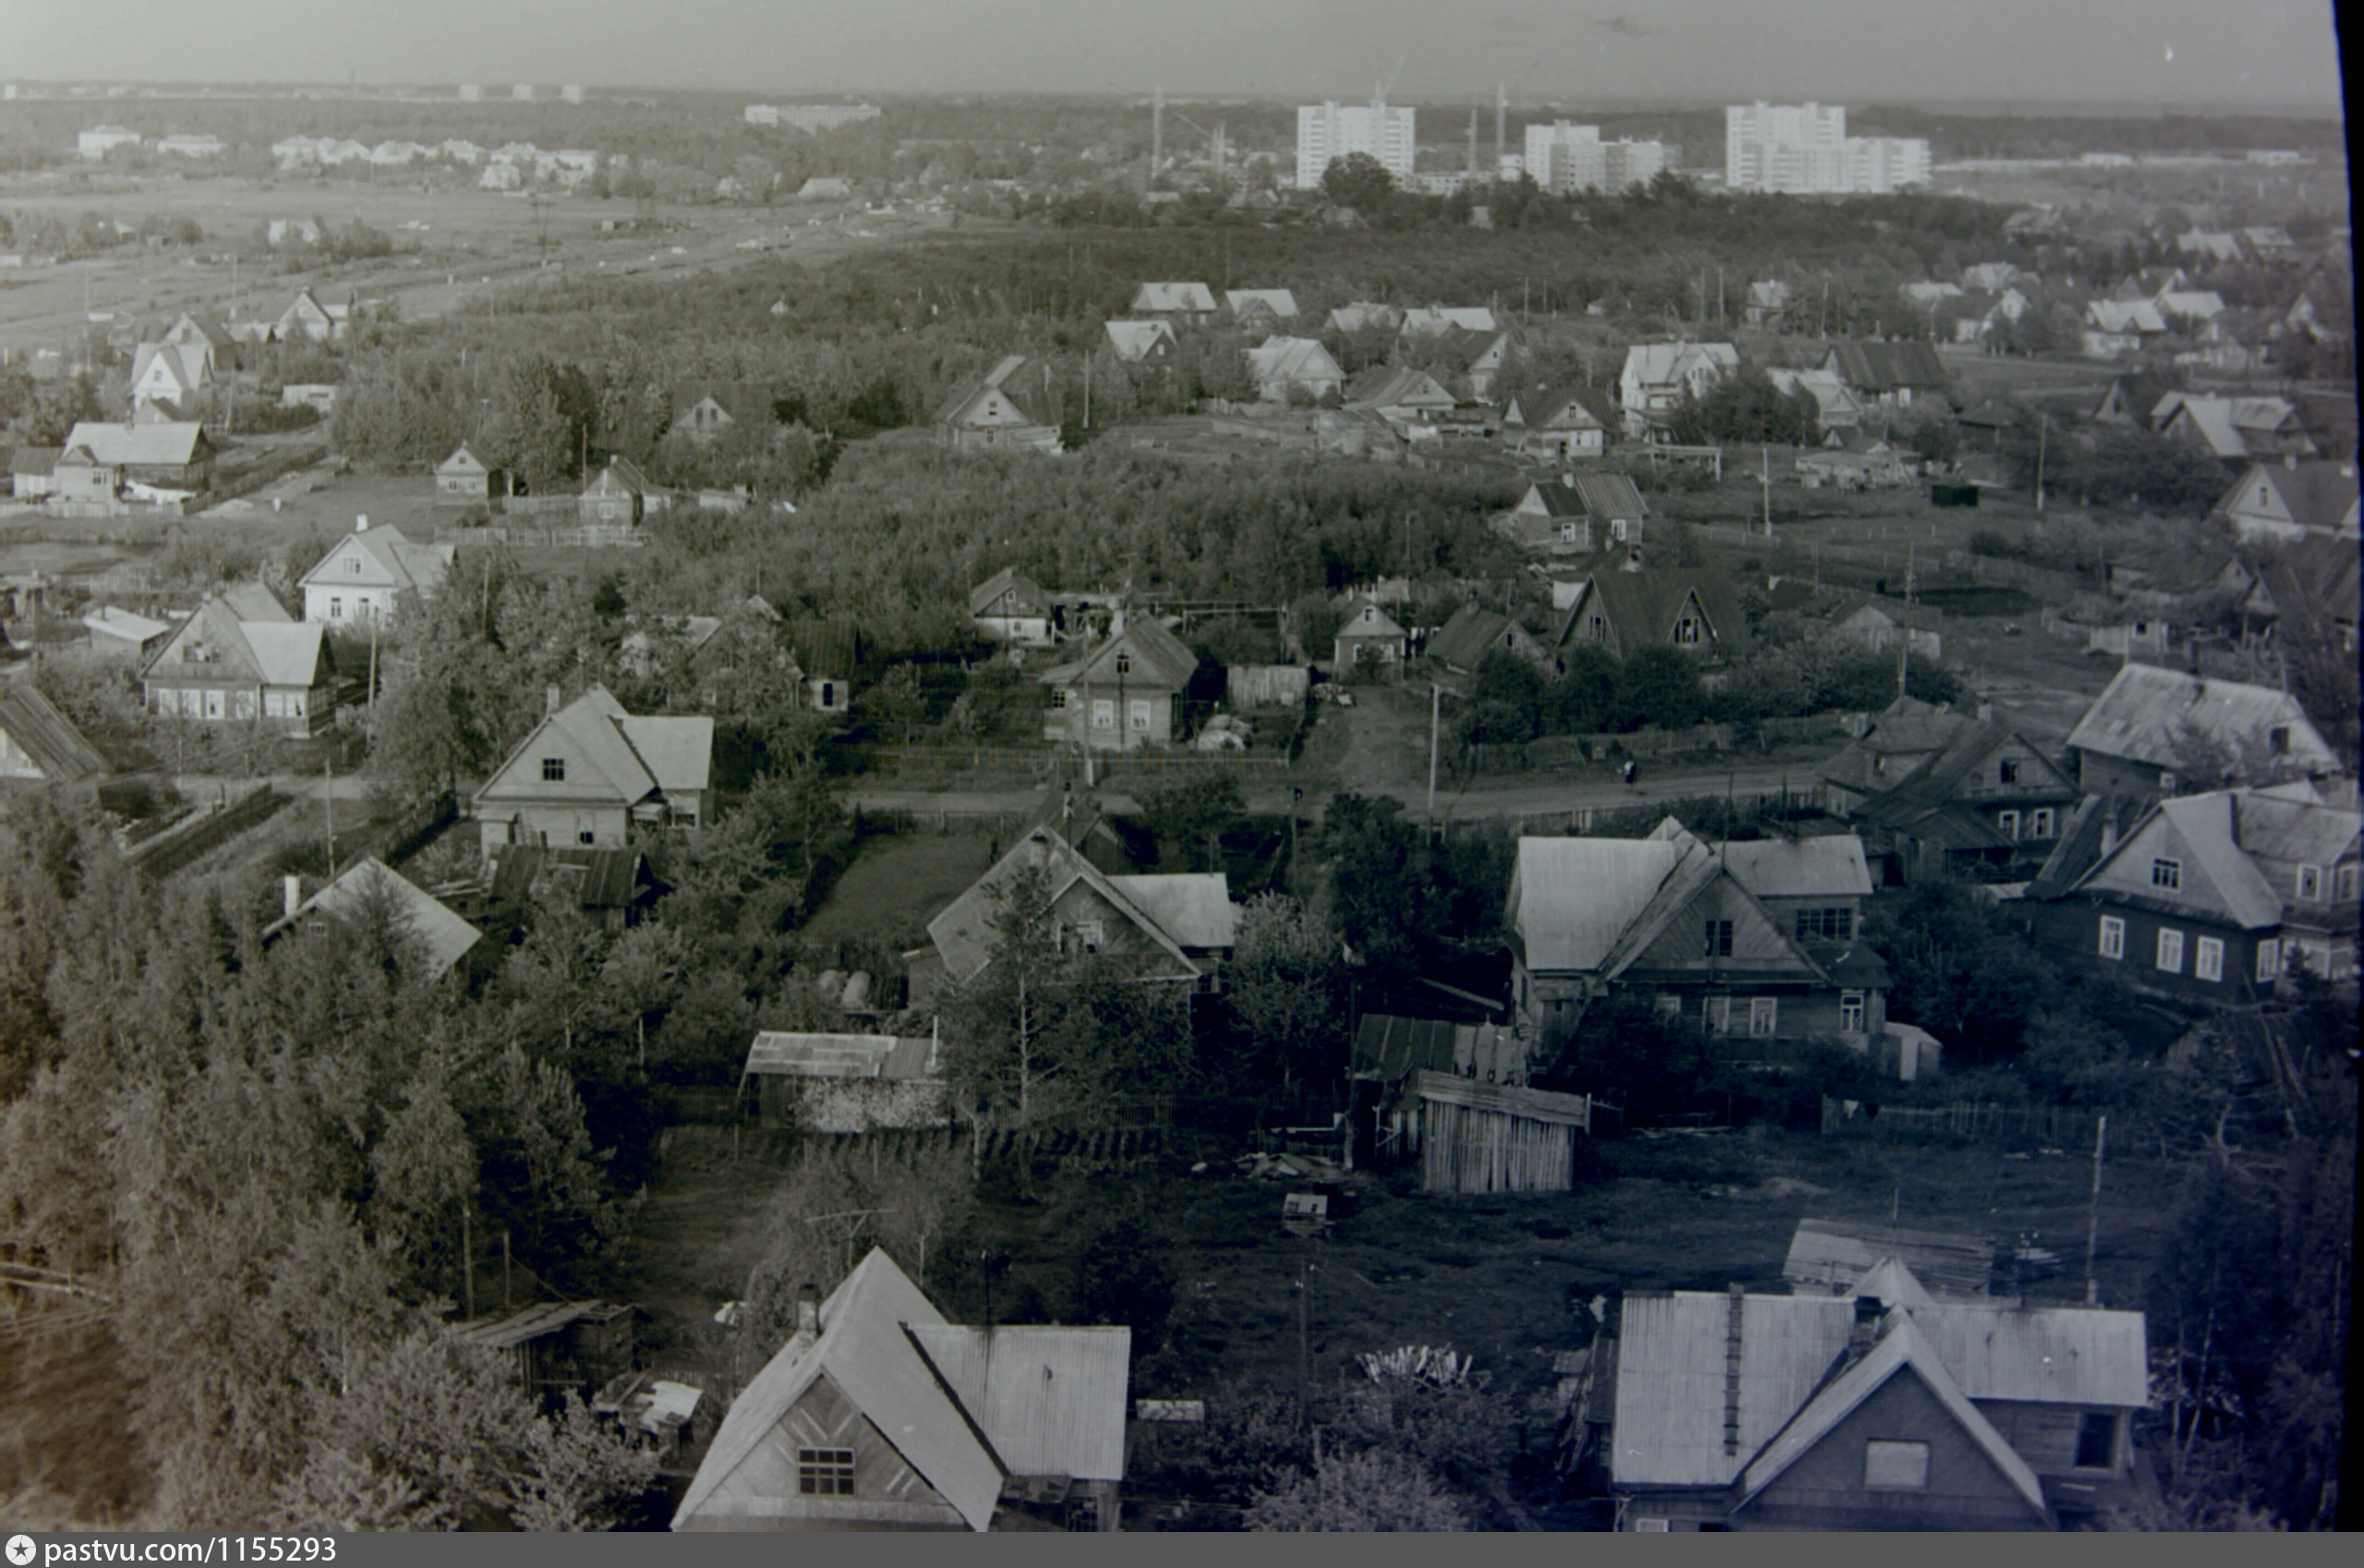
[2170, 956]
[2347, 879]
[2166, 873]
[2208, 959]
[1717, 1013]
[2310, 883]
[1091, 935]
[2040, 823]
[1686, 631]
[1670, 1005]
[2113, 937]
[553, 770]
[1650, 1527]
[1104, 713]
[352, 566]
[336, 609]
[2009, 823]
[2268, 960]
[2007, 771]
[1896, 1466]
[1763, 1012]
[1140, 716]
[1058, 696]
[1850, 1012]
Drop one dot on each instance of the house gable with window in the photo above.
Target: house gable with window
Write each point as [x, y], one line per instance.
[1986, 805]
[590, 772]
[2150, 723]
[242, 658]
[366, 573]
[1124, 693]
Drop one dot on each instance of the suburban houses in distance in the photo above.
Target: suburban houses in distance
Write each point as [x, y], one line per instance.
[1486, 799]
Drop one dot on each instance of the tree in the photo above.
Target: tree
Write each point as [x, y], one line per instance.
[1377, 1490]
[897, 705]
[1384, 894]
[1961, 971]
[1359, 181]
[1659, 686]
[1191, 816]
[1285, 988]
[1119, 1280]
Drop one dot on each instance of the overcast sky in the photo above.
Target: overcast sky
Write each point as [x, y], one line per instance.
[2148, 53]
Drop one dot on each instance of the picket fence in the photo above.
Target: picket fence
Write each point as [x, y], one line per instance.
[2053, 1127]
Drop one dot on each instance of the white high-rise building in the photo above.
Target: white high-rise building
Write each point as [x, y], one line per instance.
[572, 93]
[1326, 132]
[523, 93]
[1804, 149]
[1562, 158]
[471, 93]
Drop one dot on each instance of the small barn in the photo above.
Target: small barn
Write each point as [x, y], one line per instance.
[1828, 1257]
[1497, 1138]
[845, 1083]
[558, 1344]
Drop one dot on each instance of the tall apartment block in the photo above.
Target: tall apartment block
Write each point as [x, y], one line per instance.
[1326, 132]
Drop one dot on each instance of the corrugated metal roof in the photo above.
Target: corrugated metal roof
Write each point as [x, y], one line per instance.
[287, 655]
[1831, 867]
[1391, 1049]
[872, 1361]
[174, 443]
[1195, 908]
[445, 935]
[1668, 1428]
[2213, 875]
[2047, 1355]
[1052, 1400]
[2146, 713]
[1571, 898]
[678, 751]
[776, 1052]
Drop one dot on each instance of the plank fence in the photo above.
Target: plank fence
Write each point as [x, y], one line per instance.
[2053, 1127]
[187, 840]
[1569, 750]
[588, 536]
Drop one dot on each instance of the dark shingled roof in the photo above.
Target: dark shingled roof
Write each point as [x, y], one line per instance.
[1888, 366]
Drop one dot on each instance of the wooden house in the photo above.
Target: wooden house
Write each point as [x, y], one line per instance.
[33, 470]
[466, 480]
[557, 1346]
[703, 415]
[365, 572]
[991, 413]
[1284, 367]
[1466, 640]
[589, 773]
[1889, 1410]
[119, 633]
[1835, 405]
[2150, 723]
[1142, 343]
[619, 495]
[1124, 693]
[879, 1415]
[169, 379]
[171, 456]
[443, 936]
[1987, 806]
[1191, 303]
[1400, 395]
[242, 658]
[845, 1083]
[1267, 308]
[1473, 1137]
[1659, 378]
[2293, 499]
[2308, 586]
[2209, 898]
[1757, 941]
[307, 318]
[1009, 608]
[1554, 427]
[1577, 514]
[1890, 375]
[613, 888]
[1623, 612]
[1174, 928]
[1367, 636]
[40, 746]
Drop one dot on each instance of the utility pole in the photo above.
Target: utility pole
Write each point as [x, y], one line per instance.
[1502, 111]
[1156, 133]
[327, 800]
[2093, 1211]
[467, 1263]
[1767, 480]
[2042, 428]
[1436, 698]
[1304, 1356]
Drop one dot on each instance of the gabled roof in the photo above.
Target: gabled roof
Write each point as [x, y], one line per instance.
[35, 460]
[1642, 608]
[1427, 320]
[2317, 576]
[602, 879]
[1134, 341]
[47, 736]
[1934, 785]
[1051, 1401]
[963, 936]
[444, 935]
[1159, 659]
[1398, 386]
[1839, 1258]
[2145, 712]
[172, 443]
[1301, 360]
[184, 365]
[1570, 409]
[1570, 899]
[390, 561]
[2214, 877]
[781, 1054]
[1365, 314]
[632, 756]
[864, 1347]
[1603, 496]
[1902, 1348]
[1663, 364]
[1464, 640]
[957, 404]
[465, 459]
[2321, 496]
[1025, 597]
[2125, 315]
[253, 636]
[1888, 366]
[1279, 301]
[1194, 907]
[1160, 298]
[1828, 867]
[1376, 624]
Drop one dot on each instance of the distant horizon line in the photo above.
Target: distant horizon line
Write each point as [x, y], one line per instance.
[1986, 108]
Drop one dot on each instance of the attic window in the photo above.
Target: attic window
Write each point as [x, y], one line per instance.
[1719, 939]
[2277, 739]
[553, 770]
[1896, 1466]
[2166, 873]
[1123, 664]
[1687, 629]
[352, 566]
[2008, 770]
[2310, 883]
[825, 1472]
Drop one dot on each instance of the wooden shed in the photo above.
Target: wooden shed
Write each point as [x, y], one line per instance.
[1497, 1138]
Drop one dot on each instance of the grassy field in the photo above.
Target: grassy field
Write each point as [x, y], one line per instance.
[896, 883]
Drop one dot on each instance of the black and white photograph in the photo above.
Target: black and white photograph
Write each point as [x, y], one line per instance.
[1071, 765]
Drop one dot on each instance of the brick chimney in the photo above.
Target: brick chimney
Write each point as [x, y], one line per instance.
[549, 701]
[290, 894]
[361, 523]
[808, 1316]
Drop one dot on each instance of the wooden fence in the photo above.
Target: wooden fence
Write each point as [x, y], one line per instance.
[184, 843]
[1569, 750]
[591, 536]
[2053, 1127]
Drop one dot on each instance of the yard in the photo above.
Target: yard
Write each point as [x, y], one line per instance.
[896, 884]
[1499, 1278]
